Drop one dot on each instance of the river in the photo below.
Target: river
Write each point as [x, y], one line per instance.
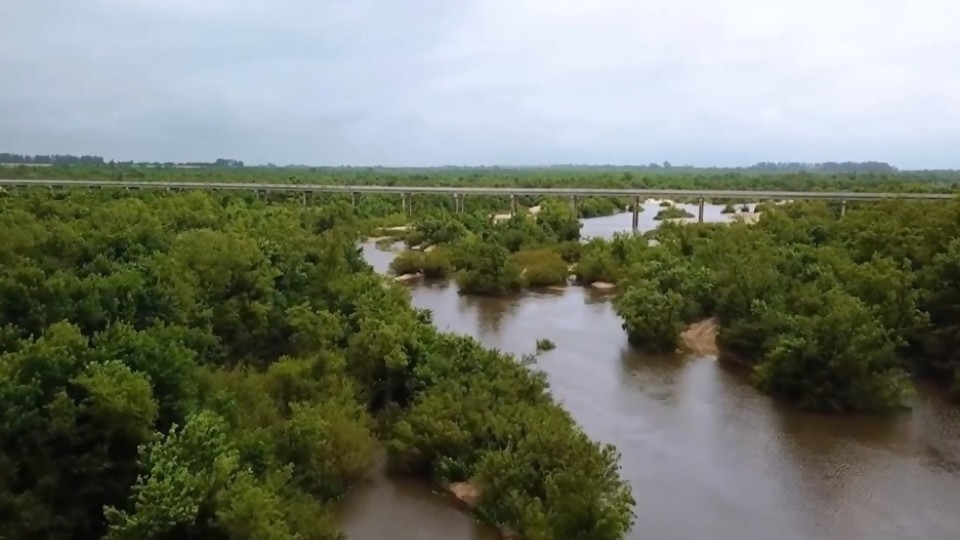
[708, 456]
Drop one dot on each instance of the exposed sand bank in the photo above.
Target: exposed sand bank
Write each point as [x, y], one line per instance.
[701, 337]
[603, 286]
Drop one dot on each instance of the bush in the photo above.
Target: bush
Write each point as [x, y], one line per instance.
[486, 269]
[544, 345]
[407, 262]
[437, 263]
[557, 219]
[652, 319]
[570, 251]
[607, 260]
[541, 268]
[728, 209]
[674, 212]
[834, 358]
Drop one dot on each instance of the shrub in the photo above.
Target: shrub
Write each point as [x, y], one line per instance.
[486, 269]
[408, 262]
[653, 319]
[598, 263]
[437, 264]
[544, 345]
[570, 251]
[673, 212]
[542, 267]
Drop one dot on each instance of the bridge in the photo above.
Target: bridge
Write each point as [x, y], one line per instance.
[460, 192]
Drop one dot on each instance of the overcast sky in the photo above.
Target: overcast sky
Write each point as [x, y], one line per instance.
[469, 82]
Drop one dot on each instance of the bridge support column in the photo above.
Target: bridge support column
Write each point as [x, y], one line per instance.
[636, 215]
[405, 197]
[513, 204]
[573, 205]
[457, 203]
[303, 198]
[843, 208]
[700, 216]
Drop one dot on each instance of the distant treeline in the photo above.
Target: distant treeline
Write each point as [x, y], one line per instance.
[762, 167]
[68, 159]
[765, 167]
[55, 159]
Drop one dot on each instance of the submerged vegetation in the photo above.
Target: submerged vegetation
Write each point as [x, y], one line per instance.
[672, 212]
[201, 365]
[545, 345]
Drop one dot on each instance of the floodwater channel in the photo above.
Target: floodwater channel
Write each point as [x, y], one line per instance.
[707, 455]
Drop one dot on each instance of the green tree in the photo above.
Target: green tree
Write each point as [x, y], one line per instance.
[486, 269]
[652, 318]
[541, 268]
[834, 356]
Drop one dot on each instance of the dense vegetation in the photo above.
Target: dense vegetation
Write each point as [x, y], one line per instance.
[787, 177]
[200, 365]
[672, 212]
[666, 167]
[209, 366]
[830, 312]
[490, 257]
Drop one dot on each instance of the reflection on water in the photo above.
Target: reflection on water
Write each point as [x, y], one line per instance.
[707, 455]
[606, 227]
[404, 509]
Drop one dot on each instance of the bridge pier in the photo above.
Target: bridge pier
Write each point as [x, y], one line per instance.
[700, 217]
[636, 215]
[303, 198]
[405, 198]
[513, 205]
[457, 203]
[573, 205]
[843, 208]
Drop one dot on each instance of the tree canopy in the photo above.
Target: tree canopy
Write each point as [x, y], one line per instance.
[201, 365]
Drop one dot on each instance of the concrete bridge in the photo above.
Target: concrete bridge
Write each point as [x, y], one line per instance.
[460, 192]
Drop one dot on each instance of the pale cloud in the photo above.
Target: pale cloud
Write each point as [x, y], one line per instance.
[429, 82]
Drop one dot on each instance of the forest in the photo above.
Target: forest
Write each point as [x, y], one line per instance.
[199, 365]
[788, 177]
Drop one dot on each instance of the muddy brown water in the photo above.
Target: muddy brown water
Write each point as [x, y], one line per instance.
[706, 454]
